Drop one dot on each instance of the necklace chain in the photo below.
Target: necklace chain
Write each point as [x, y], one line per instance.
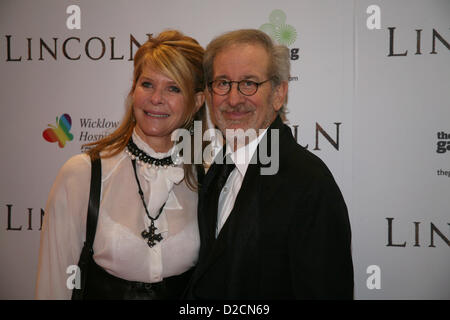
[150, 235]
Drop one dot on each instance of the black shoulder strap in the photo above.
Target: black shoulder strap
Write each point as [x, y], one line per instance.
[91, 226]
[94, 201]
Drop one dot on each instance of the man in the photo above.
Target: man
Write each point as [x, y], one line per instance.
[265, 236]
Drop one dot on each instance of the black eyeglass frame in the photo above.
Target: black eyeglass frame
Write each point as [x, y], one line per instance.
[230, 85]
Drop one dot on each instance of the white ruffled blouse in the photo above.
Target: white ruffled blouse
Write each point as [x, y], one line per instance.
[118, 247]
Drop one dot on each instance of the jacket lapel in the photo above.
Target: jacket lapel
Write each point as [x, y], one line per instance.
[270, 183]
[207, 220]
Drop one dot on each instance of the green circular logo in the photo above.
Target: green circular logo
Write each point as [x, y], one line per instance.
[278, 29]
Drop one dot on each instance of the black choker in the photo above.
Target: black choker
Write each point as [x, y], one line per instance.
[143, 158]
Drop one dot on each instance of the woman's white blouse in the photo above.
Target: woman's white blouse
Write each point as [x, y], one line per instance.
[118, 247]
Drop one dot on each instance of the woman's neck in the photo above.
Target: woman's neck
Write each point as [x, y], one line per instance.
[158, 144]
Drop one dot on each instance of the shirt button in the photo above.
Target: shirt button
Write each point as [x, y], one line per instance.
[225, 189]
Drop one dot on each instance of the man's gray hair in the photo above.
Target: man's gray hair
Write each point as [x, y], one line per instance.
[279, 60]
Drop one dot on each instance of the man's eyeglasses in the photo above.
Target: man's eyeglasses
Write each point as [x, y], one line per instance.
[246, 87]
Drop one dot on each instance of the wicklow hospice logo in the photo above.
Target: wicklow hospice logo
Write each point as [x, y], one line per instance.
[59, 133]
[94, 129]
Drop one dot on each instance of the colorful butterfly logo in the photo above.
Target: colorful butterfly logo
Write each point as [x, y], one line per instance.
[61, 132]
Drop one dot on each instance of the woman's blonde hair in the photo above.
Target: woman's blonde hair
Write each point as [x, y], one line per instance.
[180, 58]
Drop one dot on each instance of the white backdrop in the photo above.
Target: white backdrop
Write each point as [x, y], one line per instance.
[375, 81]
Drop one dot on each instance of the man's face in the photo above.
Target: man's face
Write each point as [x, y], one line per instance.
[235, 110]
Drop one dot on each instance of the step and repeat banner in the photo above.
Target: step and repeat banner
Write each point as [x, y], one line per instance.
[369, 94]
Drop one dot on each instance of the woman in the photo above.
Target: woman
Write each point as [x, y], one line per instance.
[144, 246]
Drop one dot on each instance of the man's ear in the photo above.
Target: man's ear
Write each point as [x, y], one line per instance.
[199, 100]
[279, 96]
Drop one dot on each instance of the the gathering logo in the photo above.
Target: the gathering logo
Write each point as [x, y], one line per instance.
[443, 143]
[61, 132]
[281, 32]
[442, 146]
[278, 30]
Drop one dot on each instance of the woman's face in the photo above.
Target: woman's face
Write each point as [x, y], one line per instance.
[159, 108]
